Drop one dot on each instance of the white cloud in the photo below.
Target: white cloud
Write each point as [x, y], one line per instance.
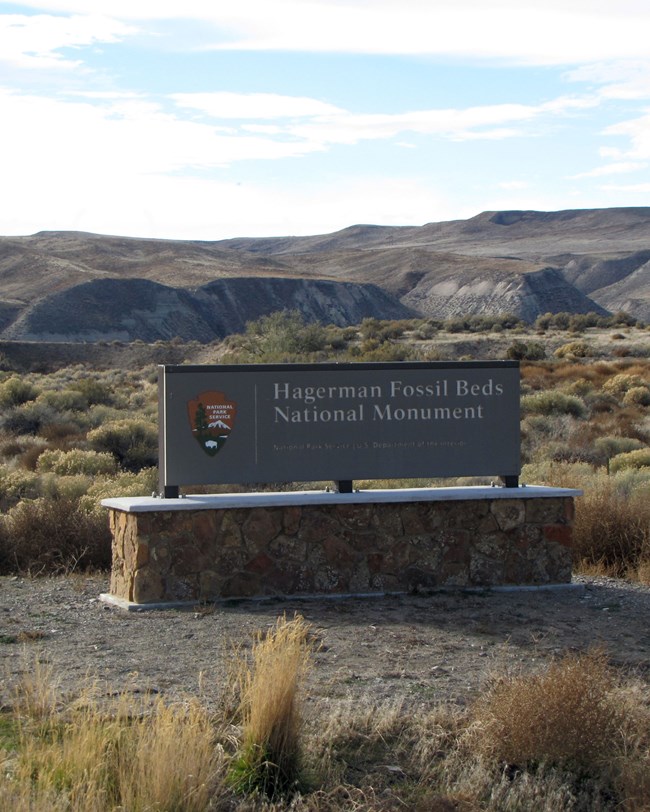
[490, 122]
[124, 138]
[549, 33]
[627, 188]
[513, 185]
[627, 79]
[531, 33]
[254, 105]
[35, 42]
[638, 131]
[610, 169]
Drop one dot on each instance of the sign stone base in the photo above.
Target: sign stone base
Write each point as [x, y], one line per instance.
[207, 548]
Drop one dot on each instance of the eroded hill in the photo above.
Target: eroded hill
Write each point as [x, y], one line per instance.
[72, 286]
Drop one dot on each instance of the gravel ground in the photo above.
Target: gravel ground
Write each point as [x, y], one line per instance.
[417, 648]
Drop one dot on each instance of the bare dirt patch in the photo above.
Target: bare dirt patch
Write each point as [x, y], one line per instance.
[421, 649]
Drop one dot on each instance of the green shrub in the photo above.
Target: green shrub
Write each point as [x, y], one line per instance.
[552, 402]
[29, 418]
[133, 443]
[66, 463]
[574, 349]
[94, 391]
[144, 483]
[639, 458]
[71, 487]
[580, 387]
[521, 351]
[619, 384]
[17, 484]
[637, 396]
[283, 334]
[608, 447]
[15, 391]
[384, 352]
[64, 400]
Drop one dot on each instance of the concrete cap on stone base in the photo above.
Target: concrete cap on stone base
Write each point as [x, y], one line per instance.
[148, 504]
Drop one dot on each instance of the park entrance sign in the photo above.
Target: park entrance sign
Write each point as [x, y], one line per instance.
[310, 422]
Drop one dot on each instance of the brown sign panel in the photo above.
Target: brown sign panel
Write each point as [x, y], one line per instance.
[291, 422]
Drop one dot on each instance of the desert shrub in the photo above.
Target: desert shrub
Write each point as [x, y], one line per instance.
[574, 349]
[133, 443]
[637, 396]
[99, 414]
[552, 402]
[29, 458]
[608, 447]
[17, 484]
[640, 458]
[581, 387]
[55, 535]
[142, 483]
[531, 351]
[66, 463]
[619, 384]
[425, 331]
[70, 487]
[369, 345]
[15, 391]
[566, 716]
[601, 402]
[284, 334]
[612, 526]
[268, 761]
[369, 328]
[372, 351]
[29, 418]
[11, 448]
[62, 431]
[93, 391]
[611, 530]
[64, 400]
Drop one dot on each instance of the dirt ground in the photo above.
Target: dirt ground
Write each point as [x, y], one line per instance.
[420, 649]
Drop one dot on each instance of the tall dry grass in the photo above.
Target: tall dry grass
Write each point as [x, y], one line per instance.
[270, 684]
[89, 756]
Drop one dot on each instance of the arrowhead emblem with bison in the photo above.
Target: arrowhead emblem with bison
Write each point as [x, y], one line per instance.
[212, 417]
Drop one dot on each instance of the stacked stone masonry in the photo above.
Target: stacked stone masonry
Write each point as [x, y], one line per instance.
[211, 554]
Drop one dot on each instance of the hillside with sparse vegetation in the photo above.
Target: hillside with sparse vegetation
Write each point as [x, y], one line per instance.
[78, 287]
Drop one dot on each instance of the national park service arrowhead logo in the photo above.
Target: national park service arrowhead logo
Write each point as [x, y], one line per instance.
[212, 417]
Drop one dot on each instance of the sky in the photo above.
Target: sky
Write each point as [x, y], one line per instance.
[211, 119]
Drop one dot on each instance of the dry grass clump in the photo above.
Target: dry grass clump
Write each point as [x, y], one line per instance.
[53, 536]
[269, 758]
[612, 529]
[83, 757]
[565, 716]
